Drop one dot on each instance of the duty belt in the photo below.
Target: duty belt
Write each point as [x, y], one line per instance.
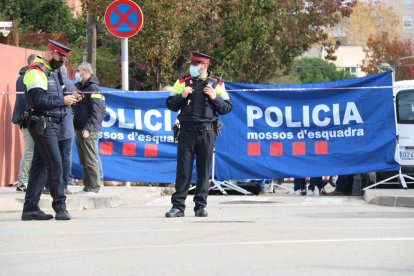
[198, 128]
[47, 119]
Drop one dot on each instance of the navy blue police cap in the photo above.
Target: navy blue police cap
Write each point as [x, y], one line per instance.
[59, 48]
[199, 57]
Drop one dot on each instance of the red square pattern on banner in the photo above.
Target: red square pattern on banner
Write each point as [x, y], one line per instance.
[321, 147]
[298, 148]
[128, 149]
[151, 150]
[253, 149]
[276, 148]
[106, 148]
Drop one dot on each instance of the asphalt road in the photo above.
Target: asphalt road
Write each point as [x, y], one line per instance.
[243, 235]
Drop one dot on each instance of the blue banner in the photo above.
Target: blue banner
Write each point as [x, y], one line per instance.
[332, 128]
[136, 142]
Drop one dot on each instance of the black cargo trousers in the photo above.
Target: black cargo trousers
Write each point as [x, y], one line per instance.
[193, 141]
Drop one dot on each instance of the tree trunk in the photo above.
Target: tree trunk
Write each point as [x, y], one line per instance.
[91, 58]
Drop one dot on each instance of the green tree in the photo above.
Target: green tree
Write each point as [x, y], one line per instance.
[248, 39]
[259, 37]
[42, 16]
[311, 70]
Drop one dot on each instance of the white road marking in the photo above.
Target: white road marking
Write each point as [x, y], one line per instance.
[261, 198]
[70, 250]
[322, 201]
[159, 202]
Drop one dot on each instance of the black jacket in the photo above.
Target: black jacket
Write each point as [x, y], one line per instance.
[20, 104]
[90, 112]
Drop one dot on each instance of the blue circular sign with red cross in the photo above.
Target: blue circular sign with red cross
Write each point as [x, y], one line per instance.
[123, 18]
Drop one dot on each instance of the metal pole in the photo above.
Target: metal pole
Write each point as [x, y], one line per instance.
[125, 74]
[124, 59]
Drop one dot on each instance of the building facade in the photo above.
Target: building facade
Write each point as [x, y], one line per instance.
[405, 11]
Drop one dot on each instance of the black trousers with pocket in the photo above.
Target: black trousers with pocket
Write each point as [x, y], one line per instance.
[46, 168]
[199, 144]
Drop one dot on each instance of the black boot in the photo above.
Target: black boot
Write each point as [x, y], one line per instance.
[36, 215]
[174, 213]
[62, 215]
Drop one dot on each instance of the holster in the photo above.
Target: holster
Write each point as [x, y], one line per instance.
[217, 125]
[26, 119]
[176, 130]
[39, 123]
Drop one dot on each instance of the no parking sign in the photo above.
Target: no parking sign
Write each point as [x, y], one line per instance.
[123, 18]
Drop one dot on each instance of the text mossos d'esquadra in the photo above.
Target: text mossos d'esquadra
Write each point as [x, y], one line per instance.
[141, 129]
[320, 116]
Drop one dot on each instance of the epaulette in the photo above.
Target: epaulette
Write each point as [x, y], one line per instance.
[219, 81]
[184, 79]
[37, 66]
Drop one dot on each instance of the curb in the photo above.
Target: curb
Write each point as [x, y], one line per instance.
[72, 203]
[394, 198]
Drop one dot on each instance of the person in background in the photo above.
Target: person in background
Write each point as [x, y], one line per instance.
[344, 185]
[45, 100]
[300, 186]
[19, 109]
[89, 114]
[201, 98]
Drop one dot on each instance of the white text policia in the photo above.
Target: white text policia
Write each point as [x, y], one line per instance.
[152, 119]
[320, 116]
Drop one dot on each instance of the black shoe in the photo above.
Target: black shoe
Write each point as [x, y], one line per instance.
[21, 188]
[174, 213]
[36, 215]
[62, 215]
[201, 213]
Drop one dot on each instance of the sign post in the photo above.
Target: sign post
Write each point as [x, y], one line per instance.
[123, 19]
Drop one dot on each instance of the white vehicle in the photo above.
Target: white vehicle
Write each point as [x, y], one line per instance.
[404, 104]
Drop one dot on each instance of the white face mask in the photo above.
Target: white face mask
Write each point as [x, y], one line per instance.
[194, 71]
[78, 77]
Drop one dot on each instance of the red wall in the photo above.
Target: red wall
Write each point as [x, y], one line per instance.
[11, 143]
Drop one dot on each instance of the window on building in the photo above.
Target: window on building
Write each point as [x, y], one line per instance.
[408, 1]
[351, 70]
[407, 21]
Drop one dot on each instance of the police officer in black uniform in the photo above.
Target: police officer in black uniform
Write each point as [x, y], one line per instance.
[45, 105]
[200, 97]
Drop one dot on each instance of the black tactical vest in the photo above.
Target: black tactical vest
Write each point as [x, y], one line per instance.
[54, 88]
[198, 107]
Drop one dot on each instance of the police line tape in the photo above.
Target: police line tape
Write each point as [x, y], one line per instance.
[245, 90]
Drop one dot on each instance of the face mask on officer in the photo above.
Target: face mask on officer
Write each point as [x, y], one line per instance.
[55, 64]
[194, 71]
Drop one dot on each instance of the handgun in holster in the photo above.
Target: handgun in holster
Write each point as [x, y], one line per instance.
[176, 130]
[217, 125]
[40, 124]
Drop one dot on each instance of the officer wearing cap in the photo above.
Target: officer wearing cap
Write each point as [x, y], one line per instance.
[200, 97]
[45, 105]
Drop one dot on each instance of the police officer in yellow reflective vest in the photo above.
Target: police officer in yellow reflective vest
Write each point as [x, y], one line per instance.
[45, 104]
[200, 98]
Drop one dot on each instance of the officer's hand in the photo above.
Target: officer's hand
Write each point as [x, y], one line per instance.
[210, 92]
[85, 133]
[69, 100]
[186, 91]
